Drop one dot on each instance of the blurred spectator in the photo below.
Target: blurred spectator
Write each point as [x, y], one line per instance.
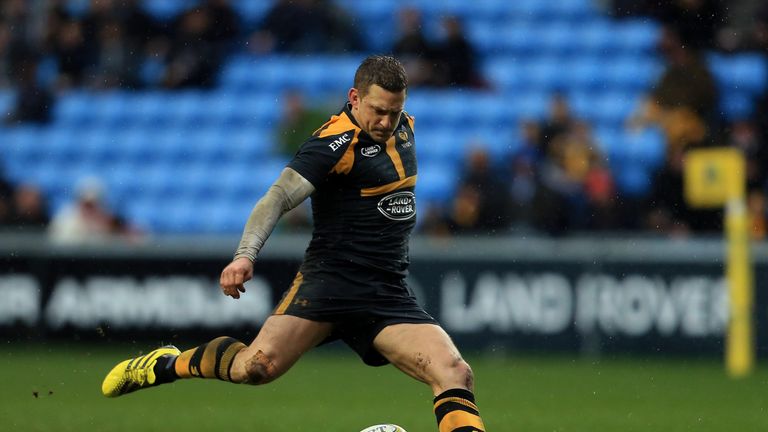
[305, 26]
[116, 65]
[577, 175]
[684, 101]
[6, 192]
[33, 103]
[743, 134]
[455, 58]
[524, 176]
[628, 8]
[412, 48]
[523, 188]
[193, 59]
[30, 211]
[87, 220]
[757, 209]
[298, 123]
[560, 121]
[72, 53]
[696, 21]
[669, 213]
[116, 33]
[13, 42]
[600, 191]
[760, 32]
[225, 25]
[481, 204]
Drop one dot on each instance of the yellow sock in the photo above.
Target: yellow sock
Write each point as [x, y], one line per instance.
[456, 411]
[211, 360]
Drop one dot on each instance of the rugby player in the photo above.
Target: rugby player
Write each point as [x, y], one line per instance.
[360, 170]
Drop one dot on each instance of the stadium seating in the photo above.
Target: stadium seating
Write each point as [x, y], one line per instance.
[196, 161]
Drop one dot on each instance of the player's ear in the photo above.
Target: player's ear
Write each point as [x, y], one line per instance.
[354, 97]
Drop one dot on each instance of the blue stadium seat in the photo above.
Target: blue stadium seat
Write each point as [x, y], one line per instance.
[583, 73]
[632, 179]
[249, 143]
[187, 108]
[631, 72]
[21, 150]
[646, 148]
[180, 216]
[251, 12]
[556, 37]
[504, 73]
[237, 74]
[436, 182]
[484, 38]
[743, 72]
[736, 105]
[530, 104]
[613, 108]
[439, 145]
[544, 73]
[548, 10]
[74, 108]
[7, 100]
[608, 139]
[165, 10]
[150, 109]
[96, 145]
[637, 35]
[515, 38]
[597, 37]
[110, 109]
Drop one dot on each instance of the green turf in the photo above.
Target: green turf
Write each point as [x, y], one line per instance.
[335, 392]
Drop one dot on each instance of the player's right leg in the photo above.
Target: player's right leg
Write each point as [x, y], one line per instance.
[280, 343]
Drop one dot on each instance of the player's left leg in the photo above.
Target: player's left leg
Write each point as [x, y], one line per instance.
[279, 344]
[426, 353]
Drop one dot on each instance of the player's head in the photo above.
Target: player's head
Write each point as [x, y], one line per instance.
[378, 95]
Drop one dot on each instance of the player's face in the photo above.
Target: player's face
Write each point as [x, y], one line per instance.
[378, 112]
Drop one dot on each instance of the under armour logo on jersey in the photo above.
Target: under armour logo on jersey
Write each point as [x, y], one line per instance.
[338, 142]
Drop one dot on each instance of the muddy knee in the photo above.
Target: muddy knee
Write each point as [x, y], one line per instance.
[465, 374]
[459, 374]
[259, 369]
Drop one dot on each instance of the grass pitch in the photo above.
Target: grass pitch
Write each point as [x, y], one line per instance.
[57, 388]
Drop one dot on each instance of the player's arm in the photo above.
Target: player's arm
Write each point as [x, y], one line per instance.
[288, 191]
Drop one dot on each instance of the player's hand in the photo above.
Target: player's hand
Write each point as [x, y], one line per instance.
[235, 275]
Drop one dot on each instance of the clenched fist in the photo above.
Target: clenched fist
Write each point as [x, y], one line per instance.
[235, 275]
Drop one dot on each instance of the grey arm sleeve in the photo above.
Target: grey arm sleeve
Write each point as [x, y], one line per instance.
[288, 191]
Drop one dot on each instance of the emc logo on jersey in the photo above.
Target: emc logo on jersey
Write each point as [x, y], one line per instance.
[338, 142]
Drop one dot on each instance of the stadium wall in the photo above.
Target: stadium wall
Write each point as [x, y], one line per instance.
[573, 295]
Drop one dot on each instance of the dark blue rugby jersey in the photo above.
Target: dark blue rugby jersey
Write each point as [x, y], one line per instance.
[364, 207]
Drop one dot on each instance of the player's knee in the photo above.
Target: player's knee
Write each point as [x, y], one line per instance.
[464, 374]
[258, 369]
[458, 374]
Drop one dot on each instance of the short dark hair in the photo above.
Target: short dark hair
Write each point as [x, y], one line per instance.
[384, 71]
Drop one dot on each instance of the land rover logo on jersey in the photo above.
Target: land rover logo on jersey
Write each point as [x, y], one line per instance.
[370, 151]
[398, 206]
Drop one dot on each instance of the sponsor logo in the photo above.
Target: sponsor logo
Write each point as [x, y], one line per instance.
[398, 206]
[370, 151]
[338, 142]
[403, 134]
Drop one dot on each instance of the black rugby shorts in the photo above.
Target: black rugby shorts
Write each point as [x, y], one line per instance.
[360, 302]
